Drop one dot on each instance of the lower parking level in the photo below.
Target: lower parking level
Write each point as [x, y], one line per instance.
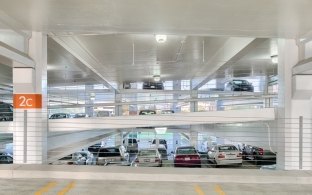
[91, 187]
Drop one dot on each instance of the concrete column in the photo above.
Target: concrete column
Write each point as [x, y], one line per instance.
[30, 132]
[89, 110]
[194, 105]
[290, 108]
[176, 86]
[194, 137]
[118, 108]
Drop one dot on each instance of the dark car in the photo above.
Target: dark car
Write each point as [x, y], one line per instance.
[259, 155]
[6, 112]
[239, 85]
[147, 112]
[153, 85]
[94, 148]
[6, 159]
[186, 157]
[59, 116]
[161, 141]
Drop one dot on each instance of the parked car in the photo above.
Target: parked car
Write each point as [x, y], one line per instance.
[161, 141]
[239, 85]
[132, 145]
[112, 155]
[94, 148]
[162, 150]
[186, 156]
[6, 158]
[259, 155]
[148, 158]
[167, 112]
[59, 116]
[153, 85]
[6, 112]
[83, 158]
[80, 115]
[147, 112]
[226, 154]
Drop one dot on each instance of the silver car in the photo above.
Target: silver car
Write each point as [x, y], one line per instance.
[148, 158]
[112, 155]
[226, 154]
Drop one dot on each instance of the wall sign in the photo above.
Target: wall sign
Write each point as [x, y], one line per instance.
[27, 101]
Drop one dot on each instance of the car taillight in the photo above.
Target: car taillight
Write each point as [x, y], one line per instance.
[157, 159]
[195, 157]
[179, 158]
[221, 155]
[239, 155]
[260, 151]
[136, 160]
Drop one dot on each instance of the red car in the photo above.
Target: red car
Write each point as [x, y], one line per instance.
[186, 157]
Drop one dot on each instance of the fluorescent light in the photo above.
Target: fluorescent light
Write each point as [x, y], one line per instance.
[161, 38]
[156, 78]
[274, 59]
[160, 130]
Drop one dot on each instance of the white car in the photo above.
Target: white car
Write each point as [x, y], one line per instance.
[148, 158]
[225, 155]
[83, 158]
[162, 150]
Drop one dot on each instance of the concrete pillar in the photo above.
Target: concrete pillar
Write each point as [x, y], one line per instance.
[176, 86]
[30, 119]
[289, 111]
[194, 136]
[118, 108]
[89, 99]
[194, 104]
[176, 142]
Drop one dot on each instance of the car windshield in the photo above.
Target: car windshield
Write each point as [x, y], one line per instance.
[226, 148]
[147, 153]
[105, 152]
[239, 82]
[186, 151]
[162, 151]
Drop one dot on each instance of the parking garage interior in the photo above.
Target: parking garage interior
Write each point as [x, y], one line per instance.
[109, 96]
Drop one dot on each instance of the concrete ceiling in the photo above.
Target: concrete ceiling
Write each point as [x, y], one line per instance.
[114, 41]
[252, 18]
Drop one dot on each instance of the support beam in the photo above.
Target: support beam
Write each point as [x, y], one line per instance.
[233, 50]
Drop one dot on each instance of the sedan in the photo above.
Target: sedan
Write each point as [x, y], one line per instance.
[148, 158]
[186, 157]
[225, 155]
[6, 159]
[239, 85]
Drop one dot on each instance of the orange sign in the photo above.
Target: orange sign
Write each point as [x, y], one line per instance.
[27, 101]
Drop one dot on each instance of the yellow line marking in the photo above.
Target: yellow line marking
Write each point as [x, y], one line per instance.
[67, 188]
[219, 190]
[45, 188]
[198, 190]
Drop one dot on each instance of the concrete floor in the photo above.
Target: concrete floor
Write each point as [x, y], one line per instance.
[90, 187]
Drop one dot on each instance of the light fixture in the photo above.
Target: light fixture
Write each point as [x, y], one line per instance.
[161, 38]
[156, 78]
[274, 59]
[160, 130]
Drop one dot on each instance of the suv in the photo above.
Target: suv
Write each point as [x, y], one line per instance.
[112, 155]
[132, 145]
[6, 112]
[161, 141]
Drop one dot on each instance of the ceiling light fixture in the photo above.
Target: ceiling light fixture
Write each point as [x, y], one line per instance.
[156, 78]
[161, 38]
[274, 59]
